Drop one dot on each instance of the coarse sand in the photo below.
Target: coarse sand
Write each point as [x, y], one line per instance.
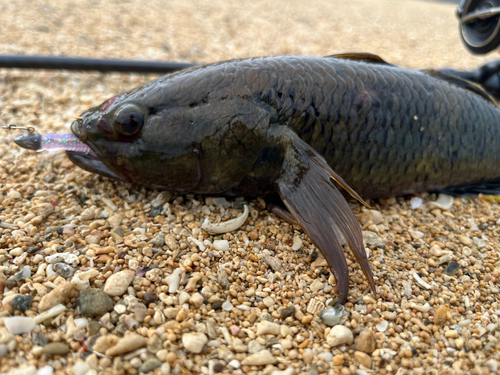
[166, 297]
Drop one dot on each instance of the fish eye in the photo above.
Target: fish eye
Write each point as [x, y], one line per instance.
[129, 120]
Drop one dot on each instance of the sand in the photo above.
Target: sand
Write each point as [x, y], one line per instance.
[254, 308]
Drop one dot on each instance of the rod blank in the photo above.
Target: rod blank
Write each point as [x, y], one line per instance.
[85, 64]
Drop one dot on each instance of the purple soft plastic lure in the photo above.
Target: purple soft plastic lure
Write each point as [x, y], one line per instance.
[51, 142]
[64, 142]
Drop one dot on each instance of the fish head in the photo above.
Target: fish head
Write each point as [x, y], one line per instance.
[189, 143]
[128, 139]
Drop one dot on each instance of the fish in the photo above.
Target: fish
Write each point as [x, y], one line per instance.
[315, 130]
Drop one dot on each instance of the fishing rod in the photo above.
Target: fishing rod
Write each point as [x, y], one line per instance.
[87, 64]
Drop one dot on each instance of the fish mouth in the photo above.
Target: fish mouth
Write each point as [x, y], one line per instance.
[88, 161]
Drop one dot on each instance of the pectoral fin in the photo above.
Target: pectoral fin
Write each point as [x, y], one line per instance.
[307, 190]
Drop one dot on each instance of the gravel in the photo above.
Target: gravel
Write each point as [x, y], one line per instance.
[251, 300]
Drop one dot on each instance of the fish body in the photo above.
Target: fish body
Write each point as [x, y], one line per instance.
[300, 126]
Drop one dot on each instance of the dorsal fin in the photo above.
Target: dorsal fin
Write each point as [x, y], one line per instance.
[362, 57]
[457, 81]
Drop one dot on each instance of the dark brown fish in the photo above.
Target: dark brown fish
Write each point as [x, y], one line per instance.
[300, 126]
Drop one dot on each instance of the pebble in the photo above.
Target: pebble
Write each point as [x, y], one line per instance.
[297, 243]
[268, 301]
[149, 297]
[268, 328]
[452, 268]
[464, 240]
[196, 300]
[150, 365]
[437, 251]
[416, 202]
[338, 360]
[23, 274]
[332, 315]
[288, 371]
[46, 370]
[104, 343]
[374, 216]
[127, 344]
[115, 220]
[194, 341]
[316, 285]
[4, 350]
[366, 341]
[339, 335]
[372, 239]
[10, 282]
[118, 283]
[55, 297]
[15, 252]
[18, 325]
[254, 347]
[228, 306]
[234, 364]
[64, 270]
[451, 334]
[326, 356]
[478, 242]
[234, 330]
[264, 357]
[363, 359]
[56, 348]
[22, 302]
[94, 302]
[287, 311]
[221, 245]
[382, 325]
[81, 368]
[369, 300]
[440, 315]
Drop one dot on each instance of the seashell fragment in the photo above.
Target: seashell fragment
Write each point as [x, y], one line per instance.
[226, 226]
[443, 202]
[315, 306]
[173, 280]
[421, 282]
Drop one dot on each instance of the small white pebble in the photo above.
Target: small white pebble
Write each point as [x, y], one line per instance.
[46, 370]
[228, 306]
[222, 245]
[19, 324]
[81, 368]
[339, 335]
[416, 202]
[382, 325]
[297, 243]
[81, 322]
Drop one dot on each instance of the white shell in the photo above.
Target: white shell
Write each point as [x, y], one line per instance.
[227, 226]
